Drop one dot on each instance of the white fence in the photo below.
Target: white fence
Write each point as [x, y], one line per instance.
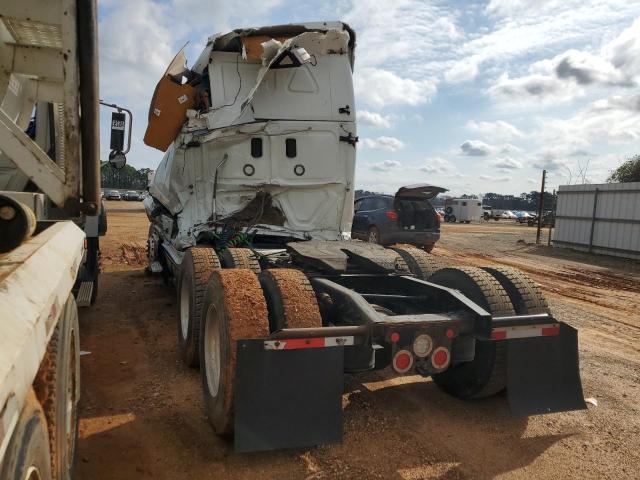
[601, 218]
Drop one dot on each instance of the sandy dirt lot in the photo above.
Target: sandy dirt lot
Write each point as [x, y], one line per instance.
[142, 414]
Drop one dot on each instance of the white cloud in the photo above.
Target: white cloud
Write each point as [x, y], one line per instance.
[374, 119]
[476, 148]
[462, 71]
[437, 165]
[380, 88]
[624, 51]
[568, 74]
[498, 130]
[384, 166]
[534, 88]
[390, 144]
[506, 163]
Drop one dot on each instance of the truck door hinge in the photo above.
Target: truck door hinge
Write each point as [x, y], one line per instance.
[346, 109]
[350, 139]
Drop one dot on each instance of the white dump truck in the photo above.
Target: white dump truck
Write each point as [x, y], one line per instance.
[50, 221]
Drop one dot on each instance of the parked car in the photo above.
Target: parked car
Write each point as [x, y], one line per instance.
[548, 220]
[112, 195]
[406, 217]
[522, 217]
[132, 196]
[508, 214]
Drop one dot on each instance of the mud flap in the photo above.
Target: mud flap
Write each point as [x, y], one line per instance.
[287, 398]
[543, 374]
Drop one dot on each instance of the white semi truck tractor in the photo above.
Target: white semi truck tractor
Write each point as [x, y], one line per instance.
[50, 222]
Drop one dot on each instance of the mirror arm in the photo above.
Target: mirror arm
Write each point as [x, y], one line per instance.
[128, 112]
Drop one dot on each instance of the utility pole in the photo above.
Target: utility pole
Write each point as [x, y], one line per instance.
[554, 207]
[540, 207]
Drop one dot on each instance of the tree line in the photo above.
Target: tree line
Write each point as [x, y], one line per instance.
[128, 177]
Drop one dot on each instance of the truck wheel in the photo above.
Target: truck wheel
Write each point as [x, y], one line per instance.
[525, 295]
[239, 258]
[197, 265]
[486, 375]
[234, 308]
[420, 263]
[447, 218]
[27, 455]
[373, 236]
[452, 218]
[290, 298]
[57, 387]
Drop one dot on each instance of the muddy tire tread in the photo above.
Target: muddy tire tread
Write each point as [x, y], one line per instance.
[299, 305]
[420, 263]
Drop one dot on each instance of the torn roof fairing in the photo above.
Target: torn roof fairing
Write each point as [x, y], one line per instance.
[232, 41]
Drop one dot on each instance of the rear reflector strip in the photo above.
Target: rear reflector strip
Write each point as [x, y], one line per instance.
[525, 331]
[298, 343]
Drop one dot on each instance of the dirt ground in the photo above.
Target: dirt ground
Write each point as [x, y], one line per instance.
[142, 414]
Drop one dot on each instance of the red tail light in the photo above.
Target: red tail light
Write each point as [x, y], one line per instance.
[402, 361]
[440, 358]
[391, 215]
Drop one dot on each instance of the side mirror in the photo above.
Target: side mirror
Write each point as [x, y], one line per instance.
[117, 159]
[117, 131]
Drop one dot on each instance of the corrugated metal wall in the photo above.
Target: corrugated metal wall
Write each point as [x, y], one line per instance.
[601, 218]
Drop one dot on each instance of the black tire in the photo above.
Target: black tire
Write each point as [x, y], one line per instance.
[447, 218]
[239, 258]
[526, 297]
[373, 235]
[197, 265]
[429, 247]
[28, 448]
[486, 375]
[227, 319]
[452, 218]
[57, 387]
[420, 263]
[291, 300]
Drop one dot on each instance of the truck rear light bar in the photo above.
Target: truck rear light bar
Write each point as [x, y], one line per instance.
[317, 342]
[525, 331]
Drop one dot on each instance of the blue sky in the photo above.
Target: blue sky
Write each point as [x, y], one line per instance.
[474, 96]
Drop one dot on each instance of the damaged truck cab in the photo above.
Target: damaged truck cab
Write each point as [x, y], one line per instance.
[273, 153]
[250, 211]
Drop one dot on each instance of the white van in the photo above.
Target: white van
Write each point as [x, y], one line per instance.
[463, 210]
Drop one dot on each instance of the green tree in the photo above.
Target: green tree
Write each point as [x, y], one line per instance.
[127, 177]
[629, 171]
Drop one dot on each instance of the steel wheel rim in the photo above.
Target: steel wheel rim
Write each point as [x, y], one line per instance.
[184, 308]
[212, 351]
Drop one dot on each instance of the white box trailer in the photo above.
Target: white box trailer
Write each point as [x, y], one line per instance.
[463, 210]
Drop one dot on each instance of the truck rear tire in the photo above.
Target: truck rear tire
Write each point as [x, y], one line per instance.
[420, 263]
[290, 298]
[486, 374]
[197, 265]
[239, 258]
[525, 295]
[27, 456]
[57, 387]
[233, 308]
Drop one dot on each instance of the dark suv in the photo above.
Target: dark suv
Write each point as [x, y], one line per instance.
[406, 217]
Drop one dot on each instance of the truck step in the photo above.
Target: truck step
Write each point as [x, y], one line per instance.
[83, 299]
